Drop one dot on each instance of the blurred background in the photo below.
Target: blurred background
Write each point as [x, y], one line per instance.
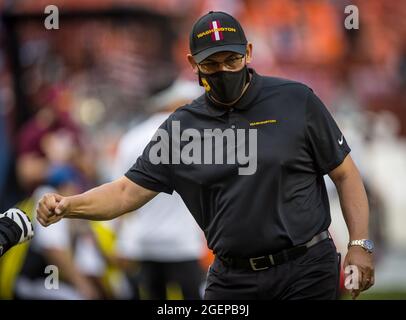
[69, 99]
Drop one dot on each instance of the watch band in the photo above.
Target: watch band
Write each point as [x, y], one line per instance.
[363, 243]
[356, 243]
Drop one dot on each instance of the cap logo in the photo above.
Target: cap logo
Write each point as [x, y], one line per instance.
[216, 31]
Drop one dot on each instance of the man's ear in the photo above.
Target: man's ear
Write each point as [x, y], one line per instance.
[192, 63]
[249, 52]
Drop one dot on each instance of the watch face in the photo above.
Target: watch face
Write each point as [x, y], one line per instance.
[369, 245]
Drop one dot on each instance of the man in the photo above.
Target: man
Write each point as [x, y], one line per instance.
[162, 236]
[15, 227]
[265, 216]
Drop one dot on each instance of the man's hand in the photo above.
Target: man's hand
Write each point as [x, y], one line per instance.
[360, 258]
[51, 208]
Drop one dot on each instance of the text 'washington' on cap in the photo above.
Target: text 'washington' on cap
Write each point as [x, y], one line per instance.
[215, 32]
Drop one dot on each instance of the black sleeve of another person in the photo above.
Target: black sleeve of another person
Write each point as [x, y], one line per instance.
[155, 177]
[326, 142]
[9, 234]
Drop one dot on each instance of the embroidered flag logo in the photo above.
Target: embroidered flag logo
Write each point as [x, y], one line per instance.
[217, 34]
[216, 31]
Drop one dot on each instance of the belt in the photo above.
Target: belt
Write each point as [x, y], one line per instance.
[270, 260]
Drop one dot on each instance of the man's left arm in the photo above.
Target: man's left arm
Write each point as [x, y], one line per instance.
[354, 205]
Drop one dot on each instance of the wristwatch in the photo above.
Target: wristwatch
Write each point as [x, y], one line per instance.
[366, 244]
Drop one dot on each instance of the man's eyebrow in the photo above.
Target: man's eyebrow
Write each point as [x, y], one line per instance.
[225, 58]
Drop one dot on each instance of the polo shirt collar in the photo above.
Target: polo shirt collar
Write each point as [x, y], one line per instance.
[244, 103]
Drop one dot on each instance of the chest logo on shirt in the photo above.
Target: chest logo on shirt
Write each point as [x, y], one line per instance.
[258, 123]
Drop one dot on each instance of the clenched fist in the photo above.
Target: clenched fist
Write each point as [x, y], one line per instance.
[51, 208]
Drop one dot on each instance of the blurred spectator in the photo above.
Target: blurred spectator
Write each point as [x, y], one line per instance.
[162, 236]
[50, 138]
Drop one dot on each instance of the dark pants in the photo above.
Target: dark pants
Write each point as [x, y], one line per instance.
[181, 280]
[314, 275]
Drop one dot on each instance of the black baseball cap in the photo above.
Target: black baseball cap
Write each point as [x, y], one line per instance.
[215, 32]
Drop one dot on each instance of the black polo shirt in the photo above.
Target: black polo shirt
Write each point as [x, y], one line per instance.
[284, 203]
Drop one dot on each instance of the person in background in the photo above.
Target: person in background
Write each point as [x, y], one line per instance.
[162, 237]
[51, 138]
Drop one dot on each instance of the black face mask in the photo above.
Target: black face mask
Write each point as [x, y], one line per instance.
[224, 86]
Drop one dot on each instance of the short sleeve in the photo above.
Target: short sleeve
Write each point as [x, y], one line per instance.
[152, 170]
[326, 142]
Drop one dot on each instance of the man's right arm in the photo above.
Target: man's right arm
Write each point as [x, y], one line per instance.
[105, 202]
